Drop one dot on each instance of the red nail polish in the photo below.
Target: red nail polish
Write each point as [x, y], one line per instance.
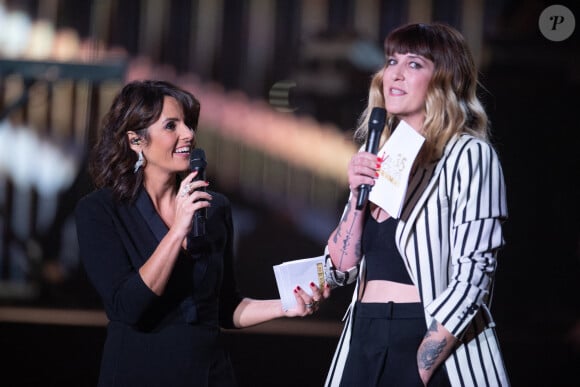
[312, 284]
[378, 165]
[380, 159]
[295, 291]
[298, 288]
[376, 174]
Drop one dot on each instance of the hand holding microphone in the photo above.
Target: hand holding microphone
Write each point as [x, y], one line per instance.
[376, 125]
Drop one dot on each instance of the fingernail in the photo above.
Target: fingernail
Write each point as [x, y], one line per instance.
[380, 159]
[376, 174]
[312, 284]
[298, 288]
[295, 290]
[378, 165]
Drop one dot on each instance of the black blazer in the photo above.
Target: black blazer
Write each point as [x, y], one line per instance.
[171, 339]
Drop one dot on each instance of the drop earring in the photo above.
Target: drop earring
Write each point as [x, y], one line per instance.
[139, 163]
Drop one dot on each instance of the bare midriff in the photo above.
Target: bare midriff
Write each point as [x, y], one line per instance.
[389, 291]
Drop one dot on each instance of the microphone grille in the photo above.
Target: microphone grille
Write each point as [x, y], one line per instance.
[197, 154]
[378, 116]
[197, 159]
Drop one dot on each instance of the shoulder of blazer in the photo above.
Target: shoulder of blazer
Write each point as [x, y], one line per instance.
[448, 163]
[464, 145]
[101, 198]
[456, 147]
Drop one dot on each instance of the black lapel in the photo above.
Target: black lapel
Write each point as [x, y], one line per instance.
[152, 218]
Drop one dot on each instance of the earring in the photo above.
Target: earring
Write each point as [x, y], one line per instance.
[139, 163]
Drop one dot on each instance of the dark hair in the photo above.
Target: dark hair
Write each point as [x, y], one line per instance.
[137, 106]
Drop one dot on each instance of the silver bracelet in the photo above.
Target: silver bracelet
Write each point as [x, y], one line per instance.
[335, 278]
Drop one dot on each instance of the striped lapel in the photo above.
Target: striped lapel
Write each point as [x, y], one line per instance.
[420, 188]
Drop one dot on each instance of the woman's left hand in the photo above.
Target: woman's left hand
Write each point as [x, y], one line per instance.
[307, 304]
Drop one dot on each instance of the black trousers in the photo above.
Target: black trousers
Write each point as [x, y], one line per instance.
[383, 347]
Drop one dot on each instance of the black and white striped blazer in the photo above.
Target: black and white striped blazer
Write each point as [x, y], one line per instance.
[449, 234]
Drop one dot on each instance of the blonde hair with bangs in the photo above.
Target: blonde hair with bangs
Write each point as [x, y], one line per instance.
[452, 106]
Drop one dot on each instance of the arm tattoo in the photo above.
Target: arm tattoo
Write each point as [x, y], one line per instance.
[339, 230]
[347, 241]
[430, 349]
[346, 237]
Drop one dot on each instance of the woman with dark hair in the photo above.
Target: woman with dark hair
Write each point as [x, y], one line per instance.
[420, 311]
[166, 291]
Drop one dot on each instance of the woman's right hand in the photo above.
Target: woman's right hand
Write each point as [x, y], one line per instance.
[307, 304]
[190, 198]
[363, 169]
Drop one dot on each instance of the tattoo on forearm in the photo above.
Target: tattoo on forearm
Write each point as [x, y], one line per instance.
[343, 220]
[346, 241]
[337, 233]
[430, 350]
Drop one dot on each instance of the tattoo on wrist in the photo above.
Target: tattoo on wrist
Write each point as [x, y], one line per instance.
[430, 350]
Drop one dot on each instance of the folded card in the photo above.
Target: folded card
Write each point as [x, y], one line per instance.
[398, 154]
[299, 272]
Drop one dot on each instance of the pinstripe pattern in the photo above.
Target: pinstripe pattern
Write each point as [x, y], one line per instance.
[449, 234]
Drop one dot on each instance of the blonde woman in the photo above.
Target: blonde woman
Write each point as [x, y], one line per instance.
[420, 313]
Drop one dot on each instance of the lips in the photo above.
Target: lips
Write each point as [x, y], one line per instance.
[395, 91]
[182, 150]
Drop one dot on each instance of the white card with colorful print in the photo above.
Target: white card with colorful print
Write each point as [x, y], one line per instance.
[398, 154]
[299, 272]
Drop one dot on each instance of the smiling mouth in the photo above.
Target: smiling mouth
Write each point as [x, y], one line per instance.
[396, 92]
[183, 150]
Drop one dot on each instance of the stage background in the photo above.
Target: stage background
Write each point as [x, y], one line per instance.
[281, 85]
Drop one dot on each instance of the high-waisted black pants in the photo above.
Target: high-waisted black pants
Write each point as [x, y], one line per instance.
[383, 347]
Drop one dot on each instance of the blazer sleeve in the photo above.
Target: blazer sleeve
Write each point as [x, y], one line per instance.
[229, 297]
[106, 260]
[477, 198]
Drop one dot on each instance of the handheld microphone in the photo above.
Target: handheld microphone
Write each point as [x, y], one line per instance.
[376, 126]
[197, 163]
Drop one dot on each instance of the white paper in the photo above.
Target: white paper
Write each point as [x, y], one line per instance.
[398, 154]
[299, 272]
